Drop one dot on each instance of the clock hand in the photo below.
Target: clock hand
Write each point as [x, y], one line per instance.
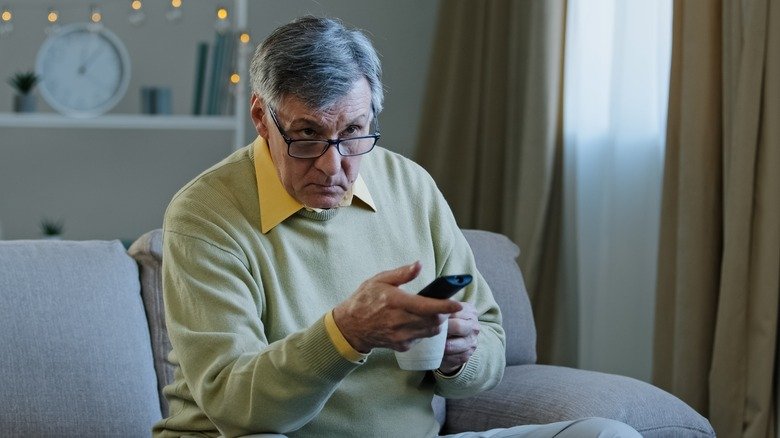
[89, 60]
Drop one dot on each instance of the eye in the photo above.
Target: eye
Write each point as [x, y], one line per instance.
[308, 133]
[351, 131]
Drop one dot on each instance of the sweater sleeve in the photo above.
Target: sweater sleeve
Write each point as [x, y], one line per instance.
[242, 382]
[485, 368]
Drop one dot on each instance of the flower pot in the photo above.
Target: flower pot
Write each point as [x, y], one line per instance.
[24, 103]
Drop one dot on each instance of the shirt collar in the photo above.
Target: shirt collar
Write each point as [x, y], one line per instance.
[276, 204]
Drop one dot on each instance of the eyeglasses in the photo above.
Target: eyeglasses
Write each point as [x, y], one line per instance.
[347, 147]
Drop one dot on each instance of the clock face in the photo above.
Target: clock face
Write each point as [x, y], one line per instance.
[84, 70]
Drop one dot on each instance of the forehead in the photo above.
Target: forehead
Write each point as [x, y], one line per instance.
[356, 103]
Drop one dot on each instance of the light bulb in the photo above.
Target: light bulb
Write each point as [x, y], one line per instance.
[6, 23]
[53, 16]
[137, 15]
[174, 12]
[94, 15]
[222, 24]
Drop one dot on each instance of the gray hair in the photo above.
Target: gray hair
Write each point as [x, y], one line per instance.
[316, 60]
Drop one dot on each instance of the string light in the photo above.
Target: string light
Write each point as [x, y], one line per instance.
[222, 23]
[235, 78]
[95, 16]
[6, 23]
[245, 38]
[173, 14]
[137, 15]
[53, 16]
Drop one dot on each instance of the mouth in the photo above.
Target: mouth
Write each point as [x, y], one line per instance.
[328, 187]
[330, 192]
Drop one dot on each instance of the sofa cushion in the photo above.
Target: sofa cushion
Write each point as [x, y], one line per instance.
[75, 354]
[536, 394]
[496, 258]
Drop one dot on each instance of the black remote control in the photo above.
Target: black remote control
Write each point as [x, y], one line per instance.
[445, 286]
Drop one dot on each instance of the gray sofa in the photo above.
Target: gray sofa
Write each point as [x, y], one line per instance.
[84, 345]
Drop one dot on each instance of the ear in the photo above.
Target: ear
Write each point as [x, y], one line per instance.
[257, 112]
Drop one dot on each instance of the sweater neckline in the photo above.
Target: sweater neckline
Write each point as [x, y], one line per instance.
[323, 215]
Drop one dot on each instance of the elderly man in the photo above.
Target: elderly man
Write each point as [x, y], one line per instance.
[289, 266]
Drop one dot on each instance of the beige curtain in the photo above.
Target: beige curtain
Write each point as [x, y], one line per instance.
[719, 257]
[491, 134]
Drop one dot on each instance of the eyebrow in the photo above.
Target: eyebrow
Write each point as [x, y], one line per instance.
[306, 122]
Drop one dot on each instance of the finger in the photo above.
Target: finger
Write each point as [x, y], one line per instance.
[400, 275]
[469, 312]
[458, 327]
[462, 327]
[424, 306]
[456, 346]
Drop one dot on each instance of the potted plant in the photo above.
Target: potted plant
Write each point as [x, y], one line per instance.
[51, 229]
[23, 83]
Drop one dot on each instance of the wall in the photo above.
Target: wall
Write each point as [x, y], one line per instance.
[116, 183]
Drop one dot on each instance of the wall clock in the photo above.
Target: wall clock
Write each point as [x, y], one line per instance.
[84, 70]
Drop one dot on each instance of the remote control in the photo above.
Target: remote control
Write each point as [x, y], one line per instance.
[445, 286]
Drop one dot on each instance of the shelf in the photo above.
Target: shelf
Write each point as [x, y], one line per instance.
[118, 121]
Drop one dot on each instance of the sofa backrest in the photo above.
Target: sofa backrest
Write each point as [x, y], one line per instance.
[75, 353]
[496, 258]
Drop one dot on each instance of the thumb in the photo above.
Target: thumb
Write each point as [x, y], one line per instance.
[400, 275]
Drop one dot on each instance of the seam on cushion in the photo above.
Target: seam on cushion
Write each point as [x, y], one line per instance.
[648, 429]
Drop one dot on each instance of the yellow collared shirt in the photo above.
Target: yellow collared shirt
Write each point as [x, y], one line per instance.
[276, 204]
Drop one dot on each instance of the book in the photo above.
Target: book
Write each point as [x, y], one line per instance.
[225, 95]
[217, 59]
[216, 92]
[201, 64]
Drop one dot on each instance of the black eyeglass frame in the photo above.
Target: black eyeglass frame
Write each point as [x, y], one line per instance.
[329, 142]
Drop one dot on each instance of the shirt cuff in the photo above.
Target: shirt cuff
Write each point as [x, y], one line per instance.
[449, 376]
[340, 342]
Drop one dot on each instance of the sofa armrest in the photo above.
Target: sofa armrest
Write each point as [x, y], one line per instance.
[534, 394]
[147, 252]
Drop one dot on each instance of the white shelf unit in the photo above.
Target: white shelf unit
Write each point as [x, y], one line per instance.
[234, 123]
[117, 121]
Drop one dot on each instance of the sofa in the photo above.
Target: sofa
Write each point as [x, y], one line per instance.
[84, 349]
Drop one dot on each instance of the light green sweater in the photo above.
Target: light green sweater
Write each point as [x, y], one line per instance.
[245, 310]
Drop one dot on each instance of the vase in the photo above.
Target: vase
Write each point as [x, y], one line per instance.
[24, 103]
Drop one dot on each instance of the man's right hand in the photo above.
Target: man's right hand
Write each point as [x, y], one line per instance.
[380, 315]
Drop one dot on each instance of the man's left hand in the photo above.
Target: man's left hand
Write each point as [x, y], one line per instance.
[462, 333]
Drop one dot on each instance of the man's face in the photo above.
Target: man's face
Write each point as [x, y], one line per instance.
[316, 182]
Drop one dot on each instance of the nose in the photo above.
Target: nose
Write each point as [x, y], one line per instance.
[329, 163]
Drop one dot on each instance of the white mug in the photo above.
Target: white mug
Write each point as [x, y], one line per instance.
[425, 353]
